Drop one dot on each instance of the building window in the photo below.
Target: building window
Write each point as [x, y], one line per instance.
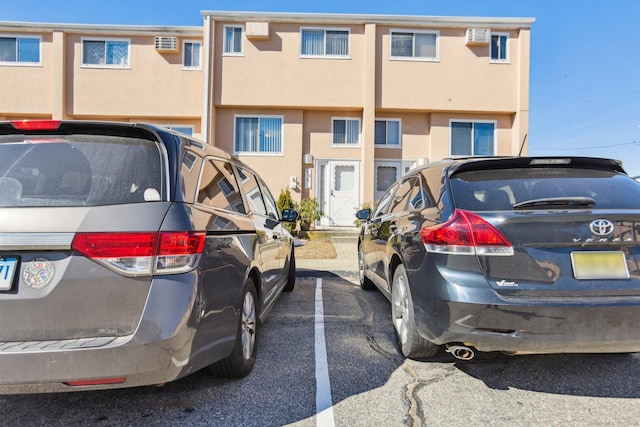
[191, 55]
[472, 138]
[187, 130]
[421, 45]
[499, 52]
[258, 135]
[232, 40]
[346, 131]
[111, 53]
[386, 174]
[323, 42]
[20, 50]
[387, 133]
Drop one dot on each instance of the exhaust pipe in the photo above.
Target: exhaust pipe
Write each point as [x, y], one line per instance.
[460, 351]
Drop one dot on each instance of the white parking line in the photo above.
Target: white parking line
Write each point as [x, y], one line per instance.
[324, 404]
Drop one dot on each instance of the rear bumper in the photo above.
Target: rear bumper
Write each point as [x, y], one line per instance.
[541, 329]
[139, 364]
[479, 317]
[169, 343]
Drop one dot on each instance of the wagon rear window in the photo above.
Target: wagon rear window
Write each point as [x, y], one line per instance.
[486, 190]
[82, 170]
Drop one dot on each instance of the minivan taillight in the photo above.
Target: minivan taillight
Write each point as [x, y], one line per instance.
[140, 254]
[465, 233]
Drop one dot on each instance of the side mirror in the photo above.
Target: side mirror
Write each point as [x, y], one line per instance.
[289, 215]
[364, 214]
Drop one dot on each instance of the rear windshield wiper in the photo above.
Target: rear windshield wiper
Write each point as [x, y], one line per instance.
[552, 202]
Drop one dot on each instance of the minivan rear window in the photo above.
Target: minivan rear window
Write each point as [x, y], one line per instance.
[79, 170]
[486, 190]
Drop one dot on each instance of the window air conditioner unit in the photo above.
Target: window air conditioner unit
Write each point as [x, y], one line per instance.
[166, 43]
[478, 36]
[257, 30]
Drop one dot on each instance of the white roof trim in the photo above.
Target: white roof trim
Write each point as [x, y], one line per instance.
[393, 20]
[100, 29]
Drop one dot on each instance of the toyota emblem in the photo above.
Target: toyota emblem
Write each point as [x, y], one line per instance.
[601, 227]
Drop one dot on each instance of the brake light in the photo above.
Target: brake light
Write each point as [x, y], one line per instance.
[465, 233]
[36, 124]
[139, 254]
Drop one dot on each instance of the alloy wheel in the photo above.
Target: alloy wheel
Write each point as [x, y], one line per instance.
[248, 325]
[399, 308]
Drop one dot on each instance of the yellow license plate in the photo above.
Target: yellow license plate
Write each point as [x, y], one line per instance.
[599, 265]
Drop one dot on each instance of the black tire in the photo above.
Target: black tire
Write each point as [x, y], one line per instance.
[365, 283]
[243, 356]
[291, 275]
[410, 343]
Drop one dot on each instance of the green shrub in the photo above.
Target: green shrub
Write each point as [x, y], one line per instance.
[309, 211]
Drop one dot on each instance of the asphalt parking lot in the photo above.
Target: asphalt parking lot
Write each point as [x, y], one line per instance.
[355, 377]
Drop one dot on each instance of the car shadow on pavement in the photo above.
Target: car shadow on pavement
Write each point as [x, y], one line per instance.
[593, 375]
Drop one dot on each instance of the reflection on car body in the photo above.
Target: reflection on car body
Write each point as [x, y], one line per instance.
[130, 255]
[519, 255]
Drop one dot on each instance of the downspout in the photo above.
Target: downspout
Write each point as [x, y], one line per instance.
[208, 81]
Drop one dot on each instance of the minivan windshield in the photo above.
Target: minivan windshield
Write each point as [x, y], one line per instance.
[544, 188]
[78, 170]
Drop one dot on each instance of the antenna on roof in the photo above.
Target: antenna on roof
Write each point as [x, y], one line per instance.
[522, 145]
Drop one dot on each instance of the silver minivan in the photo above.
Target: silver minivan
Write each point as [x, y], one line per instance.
[131, 255]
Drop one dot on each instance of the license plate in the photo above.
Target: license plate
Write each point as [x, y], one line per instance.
[7, 271]
[599, 265]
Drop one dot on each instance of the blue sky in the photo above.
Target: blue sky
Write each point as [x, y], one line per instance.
[585, 55]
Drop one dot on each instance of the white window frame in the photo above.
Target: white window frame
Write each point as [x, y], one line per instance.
[184, 50]
[346, 144]
[436, 58]
[473, 122]
[386, 144]
[105, 40]
[259, 153]
[17, 62]
[224, 40]
[506, 48]
[324, 46]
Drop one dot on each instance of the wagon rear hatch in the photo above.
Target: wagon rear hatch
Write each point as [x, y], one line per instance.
[563, 228]
[80, 209]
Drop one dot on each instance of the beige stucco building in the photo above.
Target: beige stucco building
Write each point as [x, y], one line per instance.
[331, 106]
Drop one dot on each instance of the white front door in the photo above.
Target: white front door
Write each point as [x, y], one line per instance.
[341, 192]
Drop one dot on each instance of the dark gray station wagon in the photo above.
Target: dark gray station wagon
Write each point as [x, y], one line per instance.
[130, 255]
[519, 255]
